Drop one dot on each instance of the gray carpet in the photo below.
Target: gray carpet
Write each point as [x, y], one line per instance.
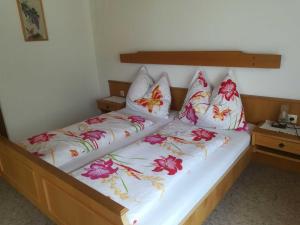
[261, 196]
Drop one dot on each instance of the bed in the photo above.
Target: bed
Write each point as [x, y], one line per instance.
[175, 164]
[68, 201]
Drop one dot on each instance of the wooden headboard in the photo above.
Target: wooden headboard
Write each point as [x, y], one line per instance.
[204, 58]
[257, 108]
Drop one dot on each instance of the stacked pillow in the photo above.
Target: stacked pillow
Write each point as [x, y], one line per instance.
[221, 108]
[146, 96]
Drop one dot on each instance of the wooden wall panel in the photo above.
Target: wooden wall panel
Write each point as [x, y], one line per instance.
[257, 108]
[204, 58]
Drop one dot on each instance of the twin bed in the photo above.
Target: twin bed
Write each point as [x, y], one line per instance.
[127, 167]
[146, 176]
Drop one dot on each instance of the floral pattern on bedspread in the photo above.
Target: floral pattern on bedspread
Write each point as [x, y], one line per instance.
[139, 174]
[61, 146]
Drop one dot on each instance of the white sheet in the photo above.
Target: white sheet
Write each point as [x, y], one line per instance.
[194, 186]
[158, 123]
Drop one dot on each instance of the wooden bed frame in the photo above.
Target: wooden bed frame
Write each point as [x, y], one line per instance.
[69, 202]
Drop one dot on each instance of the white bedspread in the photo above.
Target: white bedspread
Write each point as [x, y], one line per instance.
[196, 184]
[140, 175]
[157, 124]
[64, 145]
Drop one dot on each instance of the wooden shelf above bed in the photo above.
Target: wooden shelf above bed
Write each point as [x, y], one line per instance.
[204, 58]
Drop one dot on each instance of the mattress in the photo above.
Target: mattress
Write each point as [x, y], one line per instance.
[157, 124]
[196, 185]
[195, 152]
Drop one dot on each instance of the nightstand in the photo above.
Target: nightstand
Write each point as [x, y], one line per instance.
[276, 149]
[111, 103]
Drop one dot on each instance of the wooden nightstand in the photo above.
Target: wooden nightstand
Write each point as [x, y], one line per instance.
[111, 103]
[277, 149]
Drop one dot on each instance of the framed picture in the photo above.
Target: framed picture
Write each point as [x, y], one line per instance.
[32, 20]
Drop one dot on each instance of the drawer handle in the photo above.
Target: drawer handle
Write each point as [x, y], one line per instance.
[281, 145]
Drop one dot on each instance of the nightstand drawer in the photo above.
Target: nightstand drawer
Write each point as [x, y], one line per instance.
[109, 106]
[278, 144]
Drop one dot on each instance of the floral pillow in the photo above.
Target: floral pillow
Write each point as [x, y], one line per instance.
[157, 100]
[197, 99]
[224, 109]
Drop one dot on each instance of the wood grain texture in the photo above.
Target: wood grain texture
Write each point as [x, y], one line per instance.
[257, 108]
[108, 106]
[276, 149]
[204, 58]
[206, 205]
[276, 161]
[278, 143]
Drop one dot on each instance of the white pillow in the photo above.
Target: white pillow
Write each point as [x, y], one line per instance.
[140, 85]
[224, 110]
[197, 99]
[157, 100]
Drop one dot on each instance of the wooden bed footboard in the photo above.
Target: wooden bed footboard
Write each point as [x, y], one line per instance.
[61, 197]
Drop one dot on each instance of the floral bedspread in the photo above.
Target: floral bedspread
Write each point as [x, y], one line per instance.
[61, 146]
[138, 175]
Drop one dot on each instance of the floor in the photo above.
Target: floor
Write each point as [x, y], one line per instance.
[261, 196]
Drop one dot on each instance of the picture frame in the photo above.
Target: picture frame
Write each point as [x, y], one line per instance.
[32, 19]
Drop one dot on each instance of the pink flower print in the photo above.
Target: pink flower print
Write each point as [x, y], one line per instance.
[136, 119]
[155, 139]
[228, 90]
[190, 113]
[170, 164]
[100, 169]
[95, 120]
[37, 154]
[93, 135]
[44, 137]
[202, 79]
[243, 125]
[202, 134]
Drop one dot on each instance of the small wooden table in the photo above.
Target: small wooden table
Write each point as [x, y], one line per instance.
[111, 103]
[276, 148]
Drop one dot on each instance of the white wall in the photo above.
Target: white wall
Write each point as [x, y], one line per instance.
[259, 26]
[47, 85]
